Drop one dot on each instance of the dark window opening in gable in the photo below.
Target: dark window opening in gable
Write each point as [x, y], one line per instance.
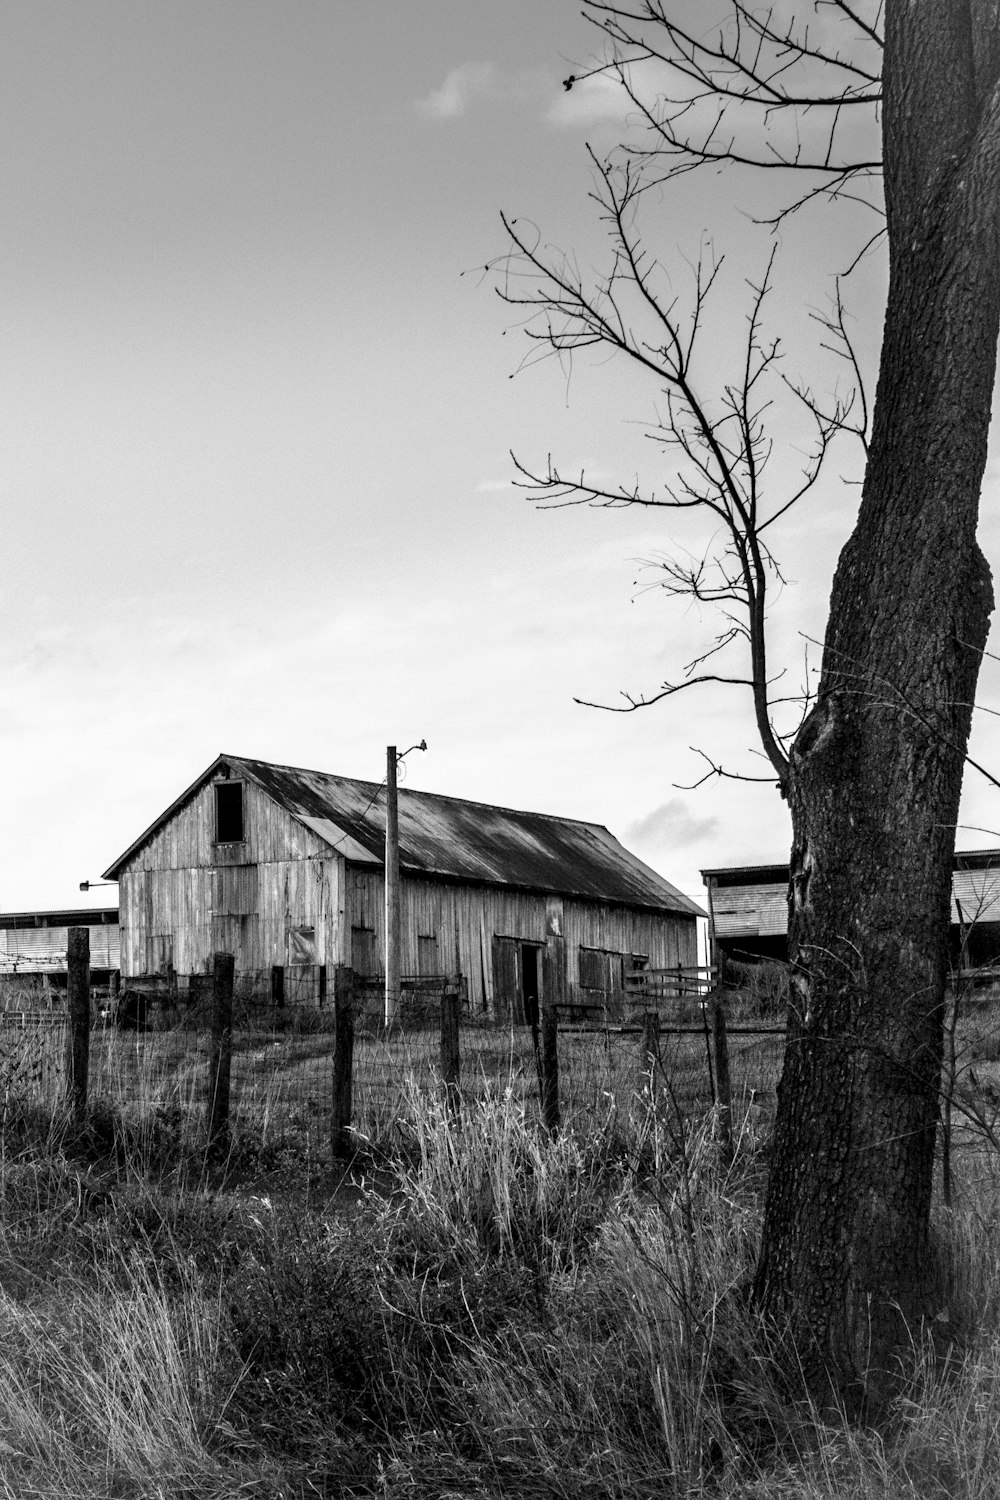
[229, 813]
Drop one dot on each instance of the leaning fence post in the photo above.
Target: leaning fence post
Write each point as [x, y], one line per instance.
[343, 1062]
[78, 1000]
[450, 1054]
[722, 1085]
[221, 1050]
[649, 1053]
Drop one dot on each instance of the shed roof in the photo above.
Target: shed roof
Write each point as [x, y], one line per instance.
[449, 837]
[89, 916]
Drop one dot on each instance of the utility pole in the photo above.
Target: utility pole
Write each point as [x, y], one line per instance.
[391, 888]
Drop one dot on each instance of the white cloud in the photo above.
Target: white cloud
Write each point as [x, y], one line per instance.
[461, 87]
[589, 102]
[671, 826]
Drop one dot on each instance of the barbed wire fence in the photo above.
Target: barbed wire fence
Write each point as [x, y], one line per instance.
[225, 1058]
[334, 1073]
[228, 1052]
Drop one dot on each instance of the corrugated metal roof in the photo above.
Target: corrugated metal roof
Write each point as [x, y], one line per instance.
[90, 916]
[452, 838]
[733, 874]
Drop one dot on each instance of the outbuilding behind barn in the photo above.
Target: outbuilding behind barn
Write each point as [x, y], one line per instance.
[34, 943]
[748, 910]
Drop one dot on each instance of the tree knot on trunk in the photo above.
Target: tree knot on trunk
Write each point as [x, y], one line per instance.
[801, 873]
[818, 731]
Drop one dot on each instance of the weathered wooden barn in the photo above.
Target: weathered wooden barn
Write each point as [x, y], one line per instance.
[34, 942]
[284, 869]
[748, 909]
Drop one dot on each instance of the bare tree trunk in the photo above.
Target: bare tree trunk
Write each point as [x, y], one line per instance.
[876, 770]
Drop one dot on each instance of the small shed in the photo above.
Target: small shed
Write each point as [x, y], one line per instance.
[35, 942]
[284, 868]
[748, 909]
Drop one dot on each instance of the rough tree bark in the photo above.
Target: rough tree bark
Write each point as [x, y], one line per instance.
[876, 769]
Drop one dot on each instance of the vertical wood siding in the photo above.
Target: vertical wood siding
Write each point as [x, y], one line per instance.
[465, 920]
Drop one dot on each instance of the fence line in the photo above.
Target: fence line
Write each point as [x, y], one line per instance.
[337, 1079]
[334, 1073]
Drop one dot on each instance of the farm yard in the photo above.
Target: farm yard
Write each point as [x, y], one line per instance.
[471, 1305]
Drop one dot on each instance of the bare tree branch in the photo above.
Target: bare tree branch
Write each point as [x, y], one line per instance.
[720, 452]
[719, 771]
[748, 92]
[727, 95]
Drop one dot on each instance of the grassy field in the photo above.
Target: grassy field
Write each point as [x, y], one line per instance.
[493, 1312]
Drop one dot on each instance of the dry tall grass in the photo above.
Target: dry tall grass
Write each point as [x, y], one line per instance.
[582, 1330]
[509, 1314]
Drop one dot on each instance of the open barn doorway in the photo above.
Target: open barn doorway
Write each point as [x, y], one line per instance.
[516, 980]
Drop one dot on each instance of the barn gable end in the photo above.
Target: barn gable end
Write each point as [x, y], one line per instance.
[266, 898]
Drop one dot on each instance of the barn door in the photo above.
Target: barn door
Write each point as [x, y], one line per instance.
[516, 980]
[507, 980]
[160, 953]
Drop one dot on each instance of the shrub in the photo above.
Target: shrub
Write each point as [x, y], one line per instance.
[756, 991]
[494, 1185]
[305, 1321]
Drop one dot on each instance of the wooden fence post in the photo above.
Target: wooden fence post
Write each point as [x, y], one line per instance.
[78, 1000]
[343, 1063]
[450, 1054]
[706, 1024]
[550, 1068]
[221, 1051]
[553, 996]
[722, 1085]
[649, 1053]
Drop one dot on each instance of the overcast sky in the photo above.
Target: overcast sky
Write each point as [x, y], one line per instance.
[256, 412]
